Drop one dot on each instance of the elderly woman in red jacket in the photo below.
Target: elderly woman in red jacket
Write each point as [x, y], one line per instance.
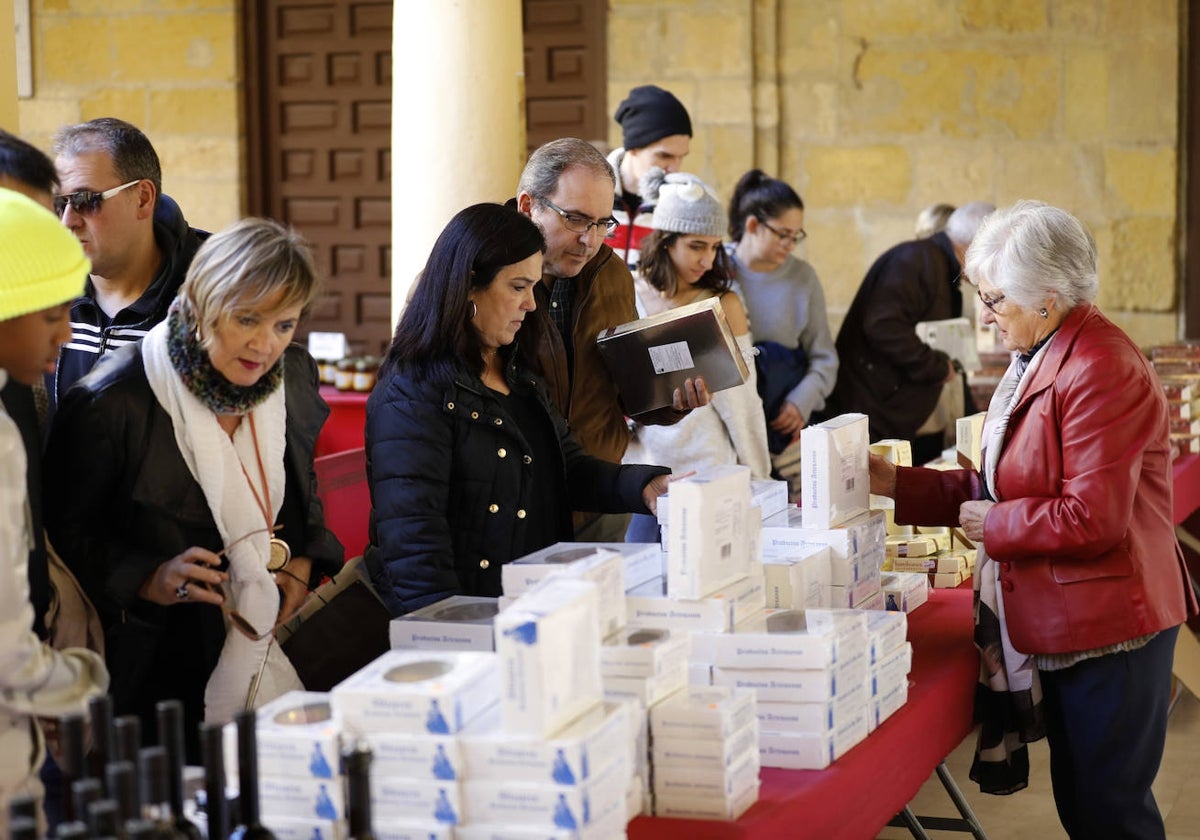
[1080, 588]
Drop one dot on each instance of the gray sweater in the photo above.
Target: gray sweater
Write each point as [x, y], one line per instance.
[788, 306]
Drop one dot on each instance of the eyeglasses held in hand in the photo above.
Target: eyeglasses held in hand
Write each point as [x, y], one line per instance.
[578, 223]
[86, 202]
[791, 240]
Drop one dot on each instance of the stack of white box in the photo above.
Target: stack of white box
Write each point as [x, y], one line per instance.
[810, 681]
[889, 657]
[705, 751]
[856, 553]
[301, 788]
[603, 567]
[460, 622]
[408, 707]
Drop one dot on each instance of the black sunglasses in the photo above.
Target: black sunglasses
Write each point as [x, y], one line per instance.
[86, 202]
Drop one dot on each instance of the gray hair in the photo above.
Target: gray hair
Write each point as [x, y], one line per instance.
[964, 221]
[1032, 251]
[132, 154]
[248, 262]
[547, 164]
[932, 219]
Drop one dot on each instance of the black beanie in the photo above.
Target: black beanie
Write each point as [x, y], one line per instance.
[650, 113]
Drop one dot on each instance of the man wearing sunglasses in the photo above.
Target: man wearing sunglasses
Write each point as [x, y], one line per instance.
[885, 371]
[110, 197]
[567, 189]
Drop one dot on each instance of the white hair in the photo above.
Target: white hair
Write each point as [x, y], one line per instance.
[1032, 251]
[964, 221]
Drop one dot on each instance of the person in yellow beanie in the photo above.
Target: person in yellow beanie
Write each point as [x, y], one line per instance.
[42, 267]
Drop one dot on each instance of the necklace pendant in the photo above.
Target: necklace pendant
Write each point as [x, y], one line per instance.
[281, 554]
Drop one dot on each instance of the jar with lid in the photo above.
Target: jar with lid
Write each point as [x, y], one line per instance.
[344, 379]
[364, 373]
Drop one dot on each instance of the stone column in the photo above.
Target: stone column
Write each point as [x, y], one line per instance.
[458, 120]
[8, 70]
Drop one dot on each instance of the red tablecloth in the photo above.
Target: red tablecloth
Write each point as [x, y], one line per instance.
[857, 795]
[345, 428]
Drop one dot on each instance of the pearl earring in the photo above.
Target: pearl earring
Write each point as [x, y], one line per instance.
[1043, 312]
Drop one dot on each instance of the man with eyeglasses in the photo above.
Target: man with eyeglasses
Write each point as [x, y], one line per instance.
[140, 246]
[567, 189]
[885, 370]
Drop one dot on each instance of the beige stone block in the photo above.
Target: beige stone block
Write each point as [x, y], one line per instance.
[205, 110]
[208, 204]
[52, 6]
[905, 91]
[728, 153]
[845, 175]
[1143, 90]
[812, 41]
[629, 57]
[43, 116]
[1126, 18]
[836, 248]
[1067, 175]
[953, 172]
[1085, 93]
[184, 5]
[1141, 180]
[725, 102]
[103, 7]
[1012, 16]
[166, 48]
[1076, 17]
[809, 111]
[1141, 273]
[885, 20]
[128, 104]
[1017, 94]
[73, 51]
[219, 157]
[1146, 328]
[706, 42]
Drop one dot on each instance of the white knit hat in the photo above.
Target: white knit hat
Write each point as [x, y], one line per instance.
[685, 204]
[41, 262]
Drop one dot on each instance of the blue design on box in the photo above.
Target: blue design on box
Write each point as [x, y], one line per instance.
[443, 811]
[583, 765]
[325, 809]
[317, 834]
[442, 769]
[587, 809]
[563, 818]
[317, 765]
[561, 771]
[525, 633]
[434, 721]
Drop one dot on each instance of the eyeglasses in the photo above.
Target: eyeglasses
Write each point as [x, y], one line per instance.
[578, 223]
[991, 303]
[791, 240]
[86, 202]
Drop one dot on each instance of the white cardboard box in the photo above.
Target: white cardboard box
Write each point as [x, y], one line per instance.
[298, 735]
[811, 751]
[714, 713]
[904, 591]
[707, 808]
[460, 622]
[706, 546]
[704, 780]
[690, 752]
[834, 462]
[891, 670]
[649, 606]
[584, 747]
[886, 705]
[646, 691]
[787, 685]
[769, 495]
[603, 567]
[636, 651]
[299, 828]
[290, 796]
[548, 646]
[817, 718]
[855, 547]
[407, 799]
[417, 691]
[797, 578]
[421, 757]
[886, 631]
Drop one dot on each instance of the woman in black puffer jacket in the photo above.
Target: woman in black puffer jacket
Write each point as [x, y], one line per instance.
[469, 462]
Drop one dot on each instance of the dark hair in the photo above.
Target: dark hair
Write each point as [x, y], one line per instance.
[656, 266]
[132, 154]
[26, 163]
[761, 196]
[433, 334]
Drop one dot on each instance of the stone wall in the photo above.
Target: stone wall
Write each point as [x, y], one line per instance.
[874, 109]
[171, 67]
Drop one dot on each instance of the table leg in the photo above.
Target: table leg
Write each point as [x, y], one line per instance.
[960, 802]
[910, 821]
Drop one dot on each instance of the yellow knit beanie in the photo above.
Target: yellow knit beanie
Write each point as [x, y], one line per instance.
[41, 262]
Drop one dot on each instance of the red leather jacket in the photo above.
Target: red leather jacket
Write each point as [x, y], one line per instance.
[1083, 533]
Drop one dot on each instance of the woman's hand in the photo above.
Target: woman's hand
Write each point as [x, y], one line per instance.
[789, 420]
[657, 486]
[971, 516]
[883, 476]
[693, 394]
[184, 579]
[293, 587]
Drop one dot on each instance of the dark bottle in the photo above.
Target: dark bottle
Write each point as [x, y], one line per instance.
[251, 828]
[83, 793]
[103, 820]
[357, 763]
[100, 711]
[122, 787]
[170, 735]
[212, 748]
[74, 761]
[73, 830]
[127, 738]
[156, 793]
[22, 828]
[22, 806]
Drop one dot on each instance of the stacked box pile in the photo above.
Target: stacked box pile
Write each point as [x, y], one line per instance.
[856, 553]
[1178, 366]
[706, 759]
[898, 452]
[810, 681]
[889, 658]
[460, 622]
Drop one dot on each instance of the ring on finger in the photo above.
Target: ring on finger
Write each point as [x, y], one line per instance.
[181, 591]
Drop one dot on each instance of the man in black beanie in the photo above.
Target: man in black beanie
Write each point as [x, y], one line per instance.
[656, 131]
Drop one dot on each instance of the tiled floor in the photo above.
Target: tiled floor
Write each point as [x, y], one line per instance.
[1031, 814]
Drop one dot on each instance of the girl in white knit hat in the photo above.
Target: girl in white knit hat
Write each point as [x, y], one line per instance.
[42, 267]
[683, 261]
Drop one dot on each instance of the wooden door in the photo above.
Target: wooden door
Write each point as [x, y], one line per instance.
[565, 70]
[319, 152]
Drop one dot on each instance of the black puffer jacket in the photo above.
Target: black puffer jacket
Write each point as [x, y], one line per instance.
[120, 501]
[440, 455]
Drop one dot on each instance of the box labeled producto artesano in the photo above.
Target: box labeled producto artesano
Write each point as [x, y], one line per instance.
[834, 463]
[460, 622]
[714, 713]
[603, 567]
[797, 578]
[707, 545]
